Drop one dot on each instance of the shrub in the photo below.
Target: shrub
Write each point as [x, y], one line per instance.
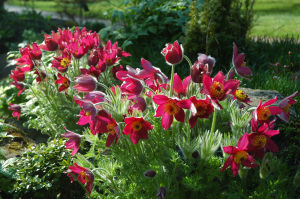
[215, 25]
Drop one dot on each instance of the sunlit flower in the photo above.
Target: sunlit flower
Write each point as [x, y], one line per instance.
[73, 142]
[180, 87]
[51, 42]
[173, 53]
[137, 128]
[85, 83]
[200, 109]
[17, 75]
[169, 108]
[238, 156]
[16, 110]
[61, 63]
[241, 96]
[84, 176]
[217, 88]
[263, 111]
[65, 83]
[285, 105]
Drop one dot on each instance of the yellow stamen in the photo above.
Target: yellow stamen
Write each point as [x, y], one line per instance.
[240, 156]
[65, 62]
[217, 90]
[111, 128]
[240, 95]
[201, 108]
[171, 108]
[263, 114]
[259, 141]
[286, 109]
[137, 125]
[87, 113]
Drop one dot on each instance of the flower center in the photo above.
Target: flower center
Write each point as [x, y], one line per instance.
[171, 108]
[259, 141]
[65, 82]
[286, 109]
[240, 95]
[83, 175]
[263, 114]
[111, 128]
[109, 61]
[87, 113]
[217, 90]
[65, 62]
[201, 108]
[240, 156]
[137, 126]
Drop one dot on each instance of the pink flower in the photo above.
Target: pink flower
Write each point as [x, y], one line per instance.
[169, 108]
[137, 128]
[139, 104]
[217, 88]
[200, 109]
[93, 58]
[85, 83]
[173, 53]
[92, 71]
[18, 75]
[238, 61]
[51, 42]
[65, 83]
[84, 176]
[20, 86]
[285, 105]
[132, 87]
[203, 65]
[73, 142]
[61, 63]
[40, 75]
[16, 110]
[238, 155]
[180, 87]
[263, 111]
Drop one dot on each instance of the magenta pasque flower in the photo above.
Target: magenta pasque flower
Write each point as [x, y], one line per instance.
[17, 75]
[73, 142]
[263, 111]
[285, 105]
[85, 83]
[200, 109]
[20, 86]
[169, 108]
[137, 128]
[51, 42]
[203, 65]
[84, 176]
[241, 96]
[217, 88]
[173, 53]
[65, 83]
[238, 156]
[16, 110]
[180, 87]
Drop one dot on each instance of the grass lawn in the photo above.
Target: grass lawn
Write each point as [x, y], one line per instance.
[97, 9]
[277, 18]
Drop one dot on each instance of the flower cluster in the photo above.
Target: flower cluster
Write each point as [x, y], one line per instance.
[80, 63]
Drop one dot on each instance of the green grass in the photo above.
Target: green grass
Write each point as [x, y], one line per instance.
[97, 9]
[276, 18]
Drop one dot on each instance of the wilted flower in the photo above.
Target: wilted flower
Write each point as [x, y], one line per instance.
[73, 142]
[16, 110]
[85, 83]
[137, 128]
[173, 53]
[84, 176]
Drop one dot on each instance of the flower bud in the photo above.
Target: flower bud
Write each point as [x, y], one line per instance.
[50, 43]
[93, 58]
[150, 173]
[173, 53]
[85, 83]
[161, 192]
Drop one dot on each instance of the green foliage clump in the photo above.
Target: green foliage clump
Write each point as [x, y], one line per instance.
[215, 25]
[39, 172]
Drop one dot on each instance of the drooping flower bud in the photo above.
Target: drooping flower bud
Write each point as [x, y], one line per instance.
[161, 192]
[150, 173]
[85, 83]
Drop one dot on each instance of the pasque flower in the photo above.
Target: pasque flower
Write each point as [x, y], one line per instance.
[84, 176]
[20, 86]
[131, 87]
[17, 75]
[217, 88]
[200, 109]
[16, 110]
[203, 65]
[137, 128]
[263, 111]
[241, 96]
[285, 105]
[73, 142]
[61, 63]
[169, 108]
[238, 155]
[51, 42]
[85, 83]
[238, 61]
[65, 83]
[180, 87]
[173, 53]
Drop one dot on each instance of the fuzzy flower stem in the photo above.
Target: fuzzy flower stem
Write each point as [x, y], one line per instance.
[171, 81]
[188, 60]
[213, 125]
